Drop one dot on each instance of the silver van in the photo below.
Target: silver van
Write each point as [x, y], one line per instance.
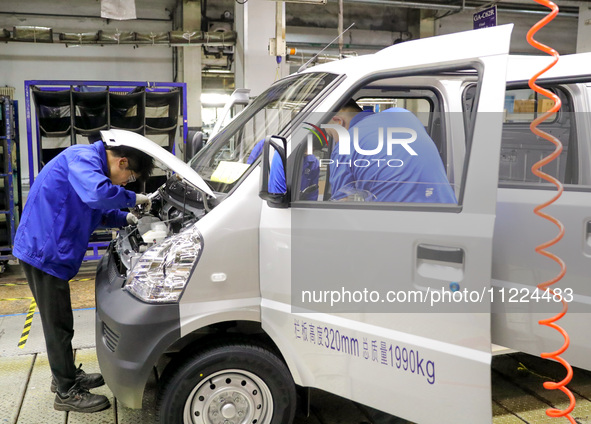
[237, 294]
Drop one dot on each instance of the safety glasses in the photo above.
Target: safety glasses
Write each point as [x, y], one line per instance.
[132, 177]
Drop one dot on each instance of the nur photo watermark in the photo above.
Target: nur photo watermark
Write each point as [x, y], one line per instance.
[387, 137]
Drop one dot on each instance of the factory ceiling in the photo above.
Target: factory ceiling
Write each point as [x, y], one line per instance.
[385, 15]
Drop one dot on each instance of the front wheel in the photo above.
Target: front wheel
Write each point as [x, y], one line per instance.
[230, 384]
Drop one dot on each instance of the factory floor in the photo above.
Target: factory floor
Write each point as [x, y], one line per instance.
[518, 396]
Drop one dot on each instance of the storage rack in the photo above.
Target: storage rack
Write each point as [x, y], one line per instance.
[9, 205]
[102, 111]
[78, 112]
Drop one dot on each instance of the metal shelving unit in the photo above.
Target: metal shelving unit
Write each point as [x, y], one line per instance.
[10, 205]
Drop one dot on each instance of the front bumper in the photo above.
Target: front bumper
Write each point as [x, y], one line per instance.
[130, 335]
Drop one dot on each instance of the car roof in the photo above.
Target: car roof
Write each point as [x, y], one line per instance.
[519, 67]
[522, 68]
[424, 52]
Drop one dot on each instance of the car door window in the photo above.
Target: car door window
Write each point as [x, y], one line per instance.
[521, 148]
[396, 148]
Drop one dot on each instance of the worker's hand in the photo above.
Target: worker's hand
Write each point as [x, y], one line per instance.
[131, 219]
[141, 199]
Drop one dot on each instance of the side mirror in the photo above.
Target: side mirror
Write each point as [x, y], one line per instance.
[194, 143]
[274, 172]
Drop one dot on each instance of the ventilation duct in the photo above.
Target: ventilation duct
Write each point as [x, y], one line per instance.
[79, 37]
[182, 37]
[33, 34]
[152, 37]
[116, 37]
[225, 39]
[200, 37]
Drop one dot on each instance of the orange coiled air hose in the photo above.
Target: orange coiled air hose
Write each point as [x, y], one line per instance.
[551, 322]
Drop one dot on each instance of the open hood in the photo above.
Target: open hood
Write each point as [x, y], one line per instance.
[137, 141]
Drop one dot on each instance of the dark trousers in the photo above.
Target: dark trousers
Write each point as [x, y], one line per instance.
[52, 296]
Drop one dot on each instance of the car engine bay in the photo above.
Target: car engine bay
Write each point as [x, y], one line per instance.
[175, 206]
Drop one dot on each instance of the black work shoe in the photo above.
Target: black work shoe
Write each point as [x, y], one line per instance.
[86, 381]
[80, 400]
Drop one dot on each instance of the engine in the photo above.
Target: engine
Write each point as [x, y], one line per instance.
[174, 207]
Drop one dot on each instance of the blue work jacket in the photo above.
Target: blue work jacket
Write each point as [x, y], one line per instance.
[395, 177]
[71, 197]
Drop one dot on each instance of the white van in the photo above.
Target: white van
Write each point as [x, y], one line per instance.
[252, 294]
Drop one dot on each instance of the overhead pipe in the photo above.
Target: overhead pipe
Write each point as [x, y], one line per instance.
[313, 48]
[186, 38]
[451, 7]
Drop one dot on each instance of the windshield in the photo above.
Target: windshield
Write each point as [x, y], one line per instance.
[227, 157]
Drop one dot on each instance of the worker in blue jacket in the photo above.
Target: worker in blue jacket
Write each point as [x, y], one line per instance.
[76, 192]
[400, 172]
[410, 172]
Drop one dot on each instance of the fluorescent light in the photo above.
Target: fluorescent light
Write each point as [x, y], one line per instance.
[214, 98]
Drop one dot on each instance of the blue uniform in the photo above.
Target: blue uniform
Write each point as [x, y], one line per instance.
[71, 197]
[310, 174]
[255, 152]
[395, 177]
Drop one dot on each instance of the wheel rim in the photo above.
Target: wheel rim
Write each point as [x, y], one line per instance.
[229, 397]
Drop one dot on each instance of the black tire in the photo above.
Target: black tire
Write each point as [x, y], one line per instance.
[238, 383]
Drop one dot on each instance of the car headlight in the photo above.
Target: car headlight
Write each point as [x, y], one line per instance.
[161, 273]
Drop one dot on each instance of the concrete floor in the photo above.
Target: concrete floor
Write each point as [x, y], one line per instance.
[25, 376]
[518, 396]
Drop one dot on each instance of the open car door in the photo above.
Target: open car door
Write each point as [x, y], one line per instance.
[387, 303]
